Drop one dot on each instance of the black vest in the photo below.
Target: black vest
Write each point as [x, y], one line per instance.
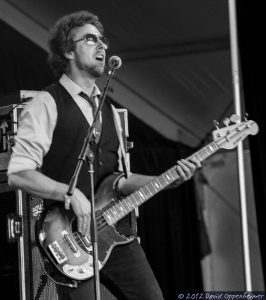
[68, 138]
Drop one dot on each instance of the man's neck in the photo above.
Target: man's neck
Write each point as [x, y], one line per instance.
[85, 82]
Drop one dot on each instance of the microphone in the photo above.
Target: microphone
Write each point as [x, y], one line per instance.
[115, 62]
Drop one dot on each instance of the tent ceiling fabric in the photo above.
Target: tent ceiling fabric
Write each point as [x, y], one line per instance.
[176, 71]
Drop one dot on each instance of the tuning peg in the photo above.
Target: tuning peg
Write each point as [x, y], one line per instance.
[234, 118]
[246, 117]
[3, 124]
[226, 121]
[216, 124]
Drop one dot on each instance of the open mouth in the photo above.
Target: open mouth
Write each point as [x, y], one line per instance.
[100, 57]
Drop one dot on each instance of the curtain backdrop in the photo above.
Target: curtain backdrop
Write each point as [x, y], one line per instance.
[168, 223]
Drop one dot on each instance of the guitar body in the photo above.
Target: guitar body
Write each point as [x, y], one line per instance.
[70, 252]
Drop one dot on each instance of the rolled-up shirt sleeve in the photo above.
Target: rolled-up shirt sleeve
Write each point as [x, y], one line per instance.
[36, 122]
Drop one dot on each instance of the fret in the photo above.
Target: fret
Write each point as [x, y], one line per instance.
[129, 203]
[109, 214]
[146, 187]
[142, 195]
[154, 186]
[157, 183]
[173, 174]
[197, 157]
[116, 212]
[118, 209]
[208, 150]
[125, 202]
[125, 205]
[121, 212]
[203, 153]
[151, 188]
[136, 198]
[108, 218]
[122, 208]
[132, 202]
[164, 176]
[214, 146]
[162, 181]
[112, 213]
[168, 177]
[146, 193]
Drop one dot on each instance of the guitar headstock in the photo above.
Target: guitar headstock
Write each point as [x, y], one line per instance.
[229, 136]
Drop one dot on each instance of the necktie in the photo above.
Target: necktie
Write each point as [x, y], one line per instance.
[91, 101]
[98, 124]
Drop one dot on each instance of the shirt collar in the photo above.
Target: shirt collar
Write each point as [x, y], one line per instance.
[74, 89]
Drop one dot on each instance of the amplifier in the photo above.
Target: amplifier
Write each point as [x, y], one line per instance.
[8, 127]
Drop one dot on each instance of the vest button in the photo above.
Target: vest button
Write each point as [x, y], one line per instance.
[100, 163]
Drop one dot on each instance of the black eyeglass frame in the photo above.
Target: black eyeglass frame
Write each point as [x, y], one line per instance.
[95, 38]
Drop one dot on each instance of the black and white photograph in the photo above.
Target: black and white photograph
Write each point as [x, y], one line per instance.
[132, 150]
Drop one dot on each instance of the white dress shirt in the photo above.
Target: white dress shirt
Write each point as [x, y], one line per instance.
[37, 123]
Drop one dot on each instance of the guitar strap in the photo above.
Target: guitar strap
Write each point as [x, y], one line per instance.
[119, 131]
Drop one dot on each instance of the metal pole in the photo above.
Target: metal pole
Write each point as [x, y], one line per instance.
[240, 156]
[22, 271]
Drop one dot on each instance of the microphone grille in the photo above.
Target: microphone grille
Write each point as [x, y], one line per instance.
[115, 62]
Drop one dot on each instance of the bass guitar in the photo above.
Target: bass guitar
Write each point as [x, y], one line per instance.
[71, 253]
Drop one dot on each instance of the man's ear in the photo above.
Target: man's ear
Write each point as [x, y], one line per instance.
[69, 55]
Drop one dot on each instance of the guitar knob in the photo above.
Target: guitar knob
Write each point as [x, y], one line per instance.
[234, 118]
[216, 124]
[226, 121]
[246, 117]
[82, 270]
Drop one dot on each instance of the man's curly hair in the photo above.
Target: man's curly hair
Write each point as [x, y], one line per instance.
[60, 42]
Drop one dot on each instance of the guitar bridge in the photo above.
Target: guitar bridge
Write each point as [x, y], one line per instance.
[70, 243]
[83, 241]
[57, 252]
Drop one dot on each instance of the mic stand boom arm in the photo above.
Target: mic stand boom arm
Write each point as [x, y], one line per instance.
[87, 154]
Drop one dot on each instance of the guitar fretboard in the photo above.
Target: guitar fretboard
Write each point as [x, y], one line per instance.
[126, 205]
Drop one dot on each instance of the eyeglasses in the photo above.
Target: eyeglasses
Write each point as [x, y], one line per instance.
[92, 39]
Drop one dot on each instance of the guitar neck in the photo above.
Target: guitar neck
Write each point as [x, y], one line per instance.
[126, 205]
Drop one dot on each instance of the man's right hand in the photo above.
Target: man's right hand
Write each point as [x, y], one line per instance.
[82, 209]
[39, 185]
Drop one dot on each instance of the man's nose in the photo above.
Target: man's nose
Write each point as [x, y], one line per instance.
[102, 45]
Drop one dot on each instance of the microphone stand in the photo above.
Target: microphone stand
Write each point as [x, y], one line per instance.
[87, 154]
